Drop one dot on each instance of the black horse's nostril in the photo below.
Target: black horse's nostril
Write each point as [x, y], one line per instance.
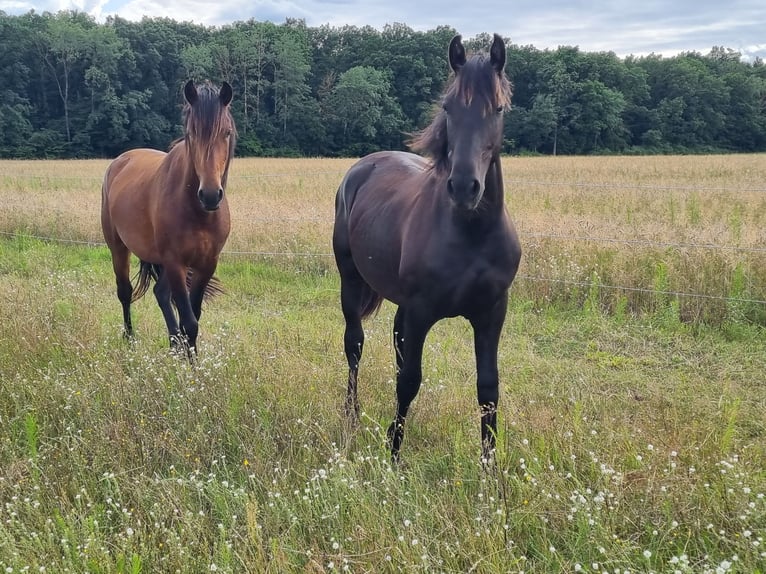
[476, 188]
[450, 188]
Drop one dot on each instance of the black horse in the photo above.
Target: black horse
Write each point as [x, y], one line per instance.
[433, 236]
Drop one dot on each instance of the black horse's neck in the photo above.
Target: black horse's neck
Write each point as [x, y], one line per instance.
[490, 208]
[494, 194]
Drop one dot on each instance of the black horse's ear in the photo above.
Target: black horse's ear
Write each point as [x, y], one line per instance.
[456, 53]
[497, 54]
[225, 94]
[190, 92]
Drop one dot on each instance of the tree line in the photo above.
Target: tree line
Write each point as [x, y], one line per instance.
[72, 87]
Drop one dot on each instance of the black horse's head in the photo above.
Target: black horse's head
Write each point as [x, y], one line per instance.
[210, 136]
[466, 135]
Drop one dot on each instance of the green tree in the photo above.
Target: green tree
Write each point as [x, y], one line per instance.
[64, 47]
[360, 110]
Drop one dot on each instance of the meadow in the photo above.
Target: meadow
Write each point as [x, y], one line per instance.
[633, 406]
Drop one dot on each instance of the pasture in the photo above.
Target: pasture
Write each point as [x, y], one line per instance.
[632, 425]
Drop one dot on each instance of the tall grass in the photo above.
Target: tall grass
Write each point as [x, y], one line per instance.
[625, 224]
[628, 441]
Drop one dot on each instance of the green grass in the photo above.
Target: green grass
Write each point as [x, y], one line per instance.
[625, 444]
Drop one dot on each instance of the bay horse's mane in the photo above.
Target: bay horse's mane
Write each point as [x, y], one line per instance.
[207, 119]
[477, 79]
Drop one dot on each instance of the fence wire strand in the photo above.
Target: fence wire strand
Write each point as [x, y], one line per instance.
[523, 277]
[522, 232]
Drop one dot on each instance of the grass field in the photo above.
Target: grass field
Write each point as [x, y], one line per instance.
[632, 418]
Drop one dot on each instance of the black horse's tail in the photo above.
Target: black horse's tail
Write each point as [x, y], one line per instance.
[151, 271]
[371, 301]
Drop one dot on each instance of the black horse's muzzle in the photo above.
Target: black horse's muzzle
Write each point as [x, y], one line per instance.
[464, 191]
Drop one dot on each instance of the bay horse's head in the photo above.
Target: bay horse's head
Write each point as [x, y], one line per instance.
[210, 136]
[466, 135]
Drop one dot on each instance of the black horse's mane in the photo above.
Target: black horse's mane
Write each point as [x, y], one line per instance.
[476, 79]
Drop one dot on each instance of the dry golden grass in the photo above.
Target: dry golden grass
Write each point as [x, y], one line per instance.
[688, 224]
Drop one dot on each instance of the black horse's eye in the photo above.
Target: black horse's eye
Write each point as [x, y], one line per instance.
[499, 109]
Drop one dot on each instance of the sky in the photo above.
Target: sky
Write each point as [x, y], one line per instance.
[625, 27]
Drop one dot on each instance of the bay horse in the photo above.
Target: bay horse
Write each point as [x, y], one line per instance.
[171, 211]
[433, 236]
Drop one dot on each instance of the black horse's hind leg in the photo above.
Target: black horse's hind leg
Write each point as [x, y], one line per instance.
[486, 332]
[352, 289]
[410, 373]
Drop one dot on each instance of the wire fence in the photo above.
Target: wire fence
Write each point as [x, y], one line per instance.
[508, 181]
[527, 236]
[520, 228]
[326, 255]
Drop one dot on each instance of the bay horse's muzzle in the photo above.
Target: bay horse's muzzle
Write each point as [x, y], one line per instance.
[210, 199]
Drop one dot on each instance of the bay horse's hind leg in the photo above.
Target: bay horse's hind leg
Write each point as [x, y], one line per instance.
[121, 266]
[197, 288]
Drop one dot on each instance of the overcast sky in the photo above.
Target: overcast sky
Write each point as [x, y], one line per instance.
[625, 27]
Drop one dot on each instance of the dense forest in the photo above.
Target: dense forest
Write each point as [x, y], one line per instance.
[73, 87]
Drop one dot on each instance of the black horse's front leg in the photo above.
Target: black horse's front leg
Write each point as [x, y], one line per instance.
[487, 328]
[409, 371]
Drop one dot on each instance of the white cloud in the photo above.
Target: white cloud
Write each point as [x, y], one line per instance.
[622, 26]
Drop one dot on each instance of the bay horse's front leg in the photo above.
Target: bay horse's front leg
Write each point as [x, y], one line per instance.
[487, 328]
[189, 327]
[163, 296]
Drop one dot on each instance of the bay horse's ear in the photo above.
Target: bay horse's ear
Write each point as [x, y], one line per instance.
[456, 53]
[190, 93]
[225, 94]
[497, 54]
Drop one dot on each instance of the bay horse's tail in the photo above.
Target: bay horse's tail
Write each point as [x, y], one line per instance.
[146, 272]
[151, 271]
